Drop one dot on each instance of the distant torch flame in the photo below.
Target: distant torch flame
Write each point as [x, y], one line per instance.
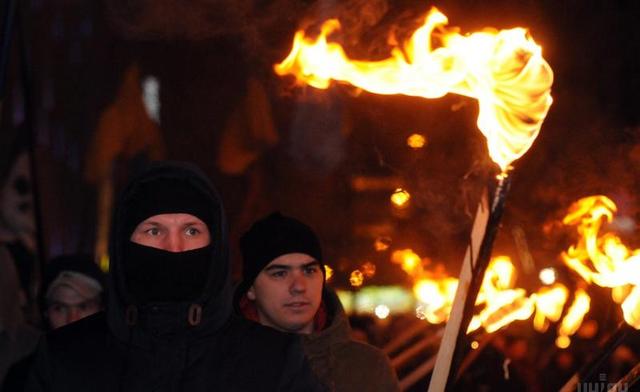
[503, 70]
[599, 258]
[602, 258]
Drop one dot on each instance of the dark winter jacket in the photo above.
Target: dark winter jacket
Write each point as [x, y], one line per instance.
[154, 347]
[344, 364]
[341, 364]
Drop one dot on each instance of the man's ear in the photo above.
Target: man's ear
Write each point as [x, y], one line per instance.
[251, 293]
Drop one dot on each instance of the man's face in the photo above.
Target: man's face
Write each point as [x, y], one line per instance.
[288, 292]
[172, 232]
[66, 306]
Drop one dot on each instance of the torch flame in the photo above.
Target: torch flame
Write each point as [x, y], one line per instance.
[573, 319]
[549, 304]
[603, 259]
[599, 258]
[501, 302]
[503, 70]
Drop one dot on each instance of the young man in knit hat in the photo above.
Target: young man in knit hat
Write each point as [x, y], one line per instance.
[168, 324]
[283, 288]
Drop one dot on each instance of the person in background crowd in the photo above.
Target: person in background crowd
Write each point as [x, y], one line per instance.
[17, 338]
[168, 324]
[283, 288]
[72, 289]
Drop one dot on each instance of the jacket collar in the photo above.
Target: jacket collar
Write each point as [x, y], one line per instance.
[337, 331]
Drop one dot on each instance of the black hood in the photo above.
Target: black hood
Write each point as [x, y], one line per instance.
[215, 300]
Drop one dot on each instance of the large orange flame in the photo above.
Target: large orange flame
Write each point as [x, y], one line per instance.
[500, 301]
[503, 70]
[602, 258]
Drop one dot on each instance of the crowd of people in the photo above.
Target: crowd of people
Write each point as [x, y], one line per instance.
[167, 317]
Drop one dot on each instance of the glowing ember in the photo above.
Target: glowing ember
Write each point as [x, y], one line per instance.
[503, 70]
[381, 244]
[563, 341]
[381, 311]
[416, 141]
[409, 260]
[400, 198]
[368, 269]
[547, 276]
[328, 273]
[356, 278]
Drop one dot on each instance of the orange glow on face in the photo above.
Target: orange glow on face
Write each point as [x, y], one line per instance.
[503, 70]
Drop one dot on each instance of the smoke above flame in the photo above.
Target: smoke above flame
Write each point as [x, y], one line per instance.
[504, 70]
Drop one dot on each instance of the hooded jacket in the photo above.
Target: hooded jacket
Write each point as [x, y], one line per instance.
[341, 364]
[176, 346]
[344, 364]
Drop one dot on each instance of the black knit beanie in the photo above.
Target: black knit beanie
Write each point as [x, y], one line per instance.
[166, 196]
[271, 237]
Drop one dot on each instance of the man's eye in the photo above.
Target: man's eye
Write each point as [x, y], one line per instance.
[311, 270]
[192, 231]
[153, 231]
[279, 274]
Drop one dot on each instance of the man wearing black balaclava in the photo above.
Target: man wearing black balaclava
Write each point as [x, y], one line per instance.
[168, 325]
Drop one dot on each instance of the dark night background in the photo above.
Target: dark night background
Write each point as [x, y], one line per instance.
[269, 146]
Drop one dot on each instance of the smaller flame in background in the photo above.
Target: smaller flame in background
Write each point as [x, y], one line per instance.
[400, 198]
[368, 269]
[416, 141]
[410, 262]
[382, 243]
[572, 321]
[599, 258]
[499, 301]
[504, 70]
[328, 273]
[602, 258]
[356, 278]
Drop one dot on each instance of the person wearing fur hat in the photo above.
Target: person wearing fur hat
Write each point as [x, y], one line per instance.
[168, 324]
[283, 287]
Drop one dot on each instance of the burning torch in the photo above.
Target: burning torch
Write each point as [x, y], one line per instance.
[504, 71]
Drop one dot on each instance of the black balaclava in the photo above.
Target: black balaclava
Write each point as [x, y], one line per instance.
[273, 236]
[157, 275]
[149, 288]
